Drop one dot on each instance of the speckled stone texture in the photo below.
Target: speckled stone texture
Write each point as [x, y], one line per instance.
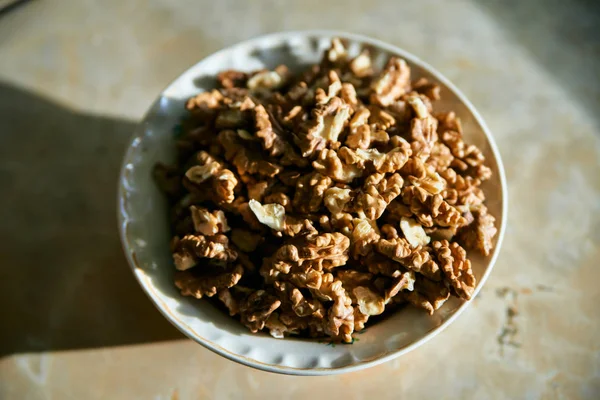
[75, 76]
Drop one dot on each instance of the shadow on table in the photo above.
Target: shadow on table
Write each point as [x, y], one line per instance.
[562, 36]
[64, 281]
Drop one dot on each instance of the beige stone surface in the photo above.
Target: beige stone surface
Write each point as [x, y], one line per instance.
[75, 76]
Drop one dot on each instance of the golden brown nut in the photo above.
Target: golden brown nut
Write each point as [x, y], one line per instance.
[392, 82]
[389, 231]
[302, 306]
[264, 131]
[422, 175]
[360, 319]
[339, 322]
[319, 252]
[462, 190]
[416, 259]
[329, 164]
[359, 285]
[419, 105]
[211, 172]
[333, 89]
[467, 158]
[359, 137]
[374, 160]
[448, 121]
[196, 283]
[272, 141]
[406, 281]
[427, 295]
[380, 119]
[480, 233]
[341, 222]
[224, 183]
[360, 131]
[440, 157]
[364, 235]
[256, 309]
[208, 223]
[377, 192]
[325, 127]
[246, 161]
[189, 250]
[310, 279]
[429, 89]
[336, 199]
[281, 262]
[456, 267]
[424, 136]
[310, 190]
[324, 251]
[229, 301]
[294, 226]
[348, 95]
[293, 324]
[430, 209]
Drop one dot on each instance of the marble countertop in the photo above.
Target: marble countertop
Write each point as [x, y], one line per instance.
[76, 76]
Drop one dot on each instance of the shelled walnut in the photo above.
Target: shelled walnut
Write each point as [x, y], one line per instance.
[308, 203]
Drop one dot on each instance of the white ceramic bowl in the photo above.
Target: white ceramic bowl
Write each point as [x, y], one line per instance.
[142, 214]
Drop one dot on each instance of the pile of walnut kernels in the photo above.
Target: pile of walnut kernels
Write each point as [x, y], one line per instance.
[308, 203]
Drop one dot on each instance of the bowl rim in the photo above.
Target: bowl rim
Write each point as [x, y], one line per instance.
[183, 328]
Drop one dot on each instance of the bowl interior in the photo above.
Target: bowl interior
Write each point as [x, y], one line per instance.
[145, 232]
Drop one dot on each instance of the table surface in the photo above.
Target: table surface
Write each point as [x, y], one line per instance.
[75, 78]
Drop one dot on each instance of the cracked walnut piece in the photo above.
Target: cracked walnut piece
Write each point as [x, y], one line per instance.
[222, 180]
[479, 234]
[198, 285]
[309, 203]
[325, 127]
[456, 268]
[189, 250]
[208, 223]
[417, 259]
[272, 215]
